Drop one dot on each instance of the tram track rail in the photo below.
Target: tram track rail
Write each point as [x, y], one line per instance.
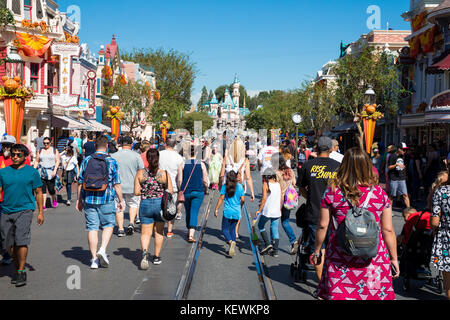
[184, 285]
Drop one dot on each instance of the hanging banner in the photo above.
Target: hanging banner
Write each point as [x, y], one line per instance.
[427, 40]
[32, 45]
[66, 51]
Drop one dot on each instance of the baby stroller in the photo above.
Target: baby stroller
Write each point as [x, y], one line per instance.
[302, 263]
[415, 257]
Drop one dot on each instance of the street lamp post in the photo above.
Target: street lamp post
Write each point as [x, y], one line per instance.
[297, 119]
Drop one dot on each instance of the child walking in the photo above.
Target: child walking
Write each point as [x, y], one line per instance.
[270, 210]
[232, 193]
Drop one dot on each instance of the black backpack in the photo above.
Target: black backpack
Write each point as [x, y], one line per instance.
[96, 175]
[358, 234]
[112, 147]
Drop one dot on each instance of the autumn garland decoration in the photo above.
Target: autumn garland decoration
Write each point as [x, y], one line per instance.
[370, 112]
[107, 72]
[115, 113]
[35, 25]
[14, 88]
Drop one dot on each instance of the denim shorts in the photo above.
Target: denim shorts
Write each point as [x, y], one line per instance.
[100, 216]
[398, 188]
[150, 211]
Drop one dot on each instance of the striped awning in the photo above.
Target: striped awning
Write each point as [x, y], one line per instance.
[441, 66]
[95, 126]
[66, 123]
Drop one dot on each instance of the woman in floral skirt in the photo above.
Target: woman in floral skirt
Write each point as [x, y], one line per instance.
[354, 278]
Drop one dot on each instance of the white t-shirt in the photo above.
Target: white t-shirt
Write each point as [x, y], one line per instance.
[170, 161]
[272, 208]
[337, 156]
[69, 163]
[265, 156]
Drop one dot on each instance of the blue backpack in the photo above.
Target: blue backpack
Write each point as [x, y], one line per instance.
[96, 174]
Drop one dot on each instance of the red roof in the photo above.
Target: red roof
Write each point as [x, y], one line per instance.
[440, 66]
[111, 49]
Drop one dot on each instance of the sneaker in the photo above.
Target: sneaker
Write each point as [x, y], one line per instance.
[178, 217]
[101, 255]
[68, 203]
[232, 251]
[44, 208]
[14, 278]
[138, 222]
[130, 230]
[294, 248]
[144, 262]
[274, 253]
[21, 279]
[170, 235]
[94, 264]
[157, 260]
[55, 204]
[121, 233]
[266, 249]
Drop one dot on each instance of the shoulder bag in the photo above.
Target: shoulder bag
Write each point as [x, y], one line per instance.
[181, 198]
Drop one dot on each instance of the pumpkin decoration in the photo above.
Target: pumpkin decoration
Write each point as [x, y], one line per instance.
[157, 95]
[18, 79]
[11, 86]
[43, 26]
[75, 39]
[115, 113]
[371, 109]
[370, 112]
[5, 78]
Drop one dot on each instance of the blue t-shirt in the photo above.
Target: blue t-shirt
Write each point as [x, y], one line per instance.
[18, 186]
[232, 209]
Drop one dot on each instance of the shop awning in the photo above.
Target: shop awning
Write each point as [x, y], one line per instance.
[95, 126]
[66, 123]
[346, 127]
[437, 115]
[441, 66]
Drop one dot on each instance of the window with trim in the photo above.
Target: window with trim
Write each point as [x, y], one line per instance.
[28, 9]
[34, 77]
[14, 69]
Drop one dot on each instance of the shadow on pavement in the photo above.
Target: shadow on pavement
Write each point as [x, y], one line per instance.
[79, 254]
[134, 256]
[421, 290]
[282, 274]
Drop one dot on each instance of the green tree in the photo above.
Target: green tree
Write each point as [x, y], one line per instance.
[188, 121]
[203, 100]
[6, 16]
[210, 95]
[134, 100]
[317, 106]
[356, 73]
[175, 72]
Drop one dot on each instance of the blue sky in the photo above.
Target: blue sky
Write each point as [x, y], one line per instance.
[269, 44]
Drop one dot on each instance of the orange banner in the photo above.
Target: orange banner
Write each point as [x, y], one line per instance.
[369, 133]
[427, 40]
[14, 117]
[32, 45]
[414, 44]
[115, 127]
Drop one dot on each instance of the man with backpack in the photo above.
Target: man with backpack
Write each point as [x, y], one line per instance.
[99, 183]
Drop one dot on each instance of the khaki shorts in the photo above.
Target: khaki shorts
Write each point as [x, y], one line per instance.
[131, 201]
[16, 229]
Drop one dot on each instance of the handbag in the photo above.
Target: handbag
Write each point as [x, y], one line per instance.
[168, 205]
[181, 198]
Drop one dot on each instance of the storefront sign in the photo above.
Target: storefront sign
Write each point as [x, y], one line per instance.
[441, 100]
[82, 106]
[66, 51]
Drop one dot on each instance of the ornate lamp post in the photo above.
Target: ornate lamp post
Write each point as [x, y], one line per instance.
[297, 119]
[370, 117]
[115, 115]
[165, 125]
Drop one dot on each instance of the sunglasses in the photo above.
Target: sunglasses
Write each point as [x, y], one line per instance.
[18, 155]
[46, 143]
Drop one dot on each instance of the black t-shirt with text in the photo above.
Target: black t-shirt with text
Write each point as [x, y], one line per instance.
[396, 174]
[314, 176]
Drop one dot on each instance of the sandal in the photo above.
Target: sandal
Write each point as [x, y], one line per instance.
[191, 240]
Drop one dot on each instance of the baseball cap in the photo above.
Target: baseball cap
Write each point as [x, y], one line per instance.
[325, 144]
[269, 172]
[403, 146]
[8, 140]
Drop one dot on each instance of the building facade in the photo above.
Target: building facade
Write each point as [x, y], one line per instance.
[426, 116]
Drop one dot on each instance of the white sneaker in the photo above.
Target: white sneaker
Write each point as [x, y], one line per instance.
[101, 255]
[94, 264]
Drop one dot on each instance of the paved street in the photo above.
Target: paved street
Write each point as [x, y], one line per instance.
[60, 246]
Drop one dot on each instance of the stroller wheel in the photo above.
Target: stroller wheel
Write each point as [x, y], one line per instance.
[406, 284]
[440, 286]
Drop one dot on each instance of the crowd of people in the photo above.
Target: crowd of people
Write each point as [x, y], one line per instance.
[141, 175]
